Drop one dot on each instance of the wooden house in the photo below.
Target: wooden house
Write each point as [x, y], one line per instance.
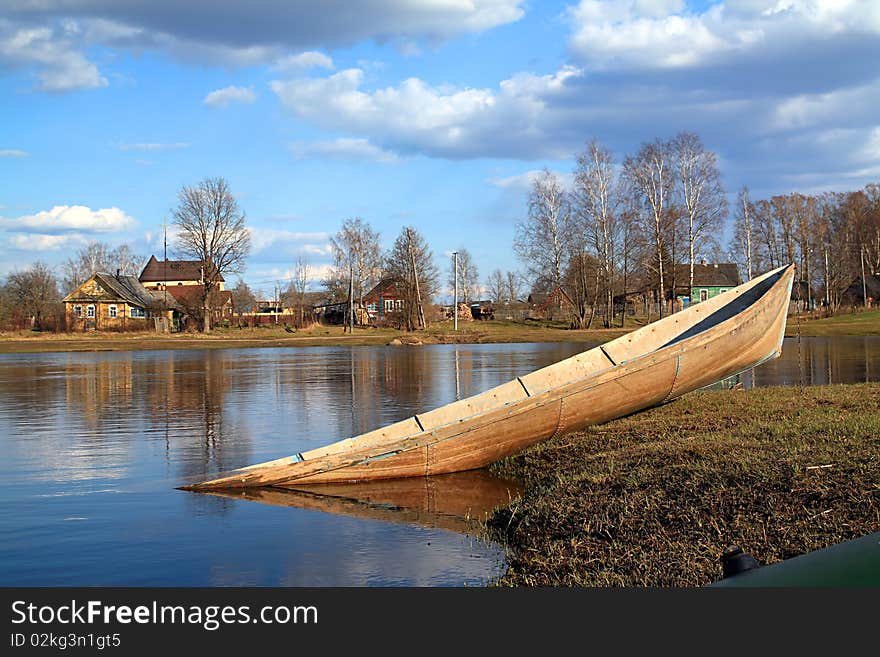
[710, 280]
[384, 299]
[120, 303]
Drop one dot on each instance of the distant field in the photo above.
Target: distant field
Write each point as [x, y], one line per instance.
[844, 323]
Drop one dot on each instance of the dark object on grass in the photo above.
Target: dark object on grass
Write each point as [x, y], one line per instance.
[288, 329]
[734, 561]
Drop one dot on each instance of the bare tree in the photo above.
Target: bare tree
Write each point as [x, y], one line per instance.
[743, 231]
[541, 241]
[212, 231]
[34, 292]
[300, 284]
[700, 191]
[514, 286]
[650, 176]
[596, 199]
[99, 256]
[243, 298]
[468, 276]
[497, 286]
[357, 261]
[411, 262]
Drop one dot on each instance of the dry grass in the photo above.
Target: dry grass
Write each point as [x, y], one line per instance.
[653, 499]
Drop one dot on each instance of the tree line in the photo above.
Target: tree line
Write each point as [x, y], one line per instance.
[641, 225]
[833, 238]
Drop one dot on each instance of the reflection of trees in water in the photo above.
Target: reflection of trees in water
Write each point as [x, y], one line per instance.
[820, 361]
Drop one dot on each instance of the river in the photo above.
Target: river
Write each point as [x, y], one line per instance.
[93, 445]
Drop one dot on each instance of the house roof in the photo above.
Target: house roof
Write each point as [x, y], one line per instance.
[123, 288]
[189, 295]
[724, 274]
[383, 286]
[156, 271]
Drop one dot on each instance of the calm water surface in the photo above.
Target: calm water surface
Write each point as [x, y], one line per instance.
[93, 444]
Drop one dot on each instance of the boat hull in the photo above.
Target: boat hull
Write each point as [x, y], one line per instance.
[653, 365]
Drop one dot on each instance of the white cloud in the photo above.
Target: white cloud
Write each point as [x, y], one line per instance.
[154, 146]
[302, 62]
[40, 242]
[53, 52]
[665, 34]
[69, 218]
[523, 182]
[416, 117]
[12, 152]
[359, 150]
[226, 95]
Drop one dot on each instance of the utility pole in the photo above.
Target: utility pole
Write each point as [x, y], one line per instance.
[351, 299]
[864, 286]
[455, 294]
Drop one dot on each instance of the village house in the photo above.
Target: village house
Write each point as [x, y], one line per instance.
[710, 280]
[384, 299]
[121, 303]
[174, 273]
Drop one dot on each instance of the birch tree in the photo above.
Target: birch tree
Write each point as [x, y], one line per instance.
[357, 261]
[650, 175]
[743, 231]
[468, 276]
[700, 192]
[596, 201]
[541, 240]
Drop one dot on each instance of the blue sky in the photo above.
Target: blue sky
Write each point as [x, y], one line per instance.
[405, 112]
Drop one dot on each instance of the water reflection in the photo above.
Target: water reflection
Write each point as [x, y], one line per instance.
[459, 502]
[93, 444]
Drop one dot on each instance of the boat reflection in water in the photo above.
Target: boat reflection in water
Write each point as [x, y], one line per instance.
[459, 502]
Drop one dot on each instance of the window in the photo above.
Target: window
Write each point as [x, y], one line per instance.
[137, 312]
[372, 307]
[90, 311]
[704, 294]
[78, 311]
[398, 304]
[722, 290]
[112, 311]
[389, 305]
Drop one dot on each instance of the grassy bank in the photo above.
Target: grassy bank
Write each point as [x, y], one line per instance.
[495, 331]
[234, 338]
[653, 499]
[844, 323]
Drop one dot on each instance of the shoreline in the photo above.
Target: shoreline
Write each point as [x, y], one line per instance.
[653, 499]
[489, 332]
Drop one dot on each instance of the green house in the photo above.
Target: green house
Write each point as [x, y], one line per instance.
[710, 280]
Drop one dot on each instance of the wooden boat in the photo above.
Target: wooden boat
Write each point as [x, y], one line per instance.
[706, 343]
[458, 502]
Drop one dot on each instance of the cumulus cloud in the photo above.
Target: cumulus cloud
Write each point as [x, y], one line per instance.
[36, 242]
[52, 36]
[417, 117]
[226, 95]
[71, 218]
[302, 62]
[12, 152]
[53, 52]
[665, 34]
[358, 150]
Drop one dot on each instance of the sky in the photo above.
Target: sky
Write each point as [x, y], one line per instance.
[435, 114]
